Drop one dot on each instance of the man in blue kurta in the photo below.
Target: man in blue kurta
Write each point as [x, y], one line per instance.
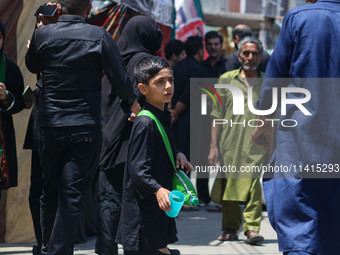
[304, 211]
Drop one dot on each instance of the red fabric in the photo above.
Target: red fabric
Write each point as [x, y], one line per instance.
[4, 175]
[166, 37]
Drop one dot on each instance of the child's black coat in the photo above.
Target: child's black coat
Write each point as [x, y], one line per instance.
[143, 225]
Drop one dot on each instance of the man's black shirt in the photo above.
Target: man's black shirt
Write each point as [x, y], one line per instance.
[183, 71]
[72, 55]
[208, 71]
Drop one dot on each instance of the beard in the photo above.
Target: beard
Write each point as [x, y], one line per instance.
[213, 54]
[249, 68]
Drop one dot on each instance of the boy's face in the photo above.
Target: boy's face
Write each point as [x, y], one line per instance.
[160, 88]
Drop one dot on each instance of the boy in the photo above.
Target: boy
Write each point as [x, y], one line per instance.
[144, 228]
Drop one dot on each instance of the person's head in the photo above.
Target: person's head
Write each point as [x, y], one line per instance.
[250, 53]
[174, 51]
[140, 34]
[194, 47]
[75, 7]
[213, 44]
[2, 38]
[240, 32]
[155, 80]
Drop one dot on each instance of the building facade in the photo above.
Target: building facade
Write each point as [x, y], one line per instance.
[263, 16]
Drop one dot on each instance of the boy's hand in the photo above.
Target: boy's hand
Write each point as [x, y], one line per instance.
[135, 109]
[3, 94]
[162, 196]
[182, 162]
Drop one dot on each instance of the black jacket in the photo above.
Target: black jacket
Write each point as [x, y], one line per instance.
[207, 71]
[72, 56]
[183, 71]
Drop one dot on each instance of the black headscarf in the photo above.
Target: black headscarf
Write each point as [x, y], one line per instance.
[141, 37]
[2, 30]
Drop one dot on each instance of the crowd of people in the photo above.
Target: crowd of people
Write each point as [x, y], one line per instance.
[85, 128]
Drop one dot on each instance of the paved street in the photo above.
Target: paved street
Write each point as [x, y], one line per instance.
[197, 233]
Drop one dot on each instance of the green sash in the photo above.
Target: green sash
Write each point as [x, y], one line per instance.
[180, 180]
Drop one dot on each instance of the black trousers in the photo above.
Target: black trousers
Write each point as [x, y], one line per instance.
[110, 188]
[140, 252]
[202, 185]
[69, 155]
[297, 253]
[202, 181]
[35, 194]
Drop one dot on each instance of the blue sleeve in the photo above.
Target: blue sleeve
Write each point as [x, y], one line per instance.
[279, 63]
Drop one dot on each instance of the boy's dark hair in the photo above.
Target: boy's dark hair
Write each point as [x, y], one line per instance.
[213, 34]
[242, 33]
[174, 46]
[193, 44]
[148, 67]
[74, 7]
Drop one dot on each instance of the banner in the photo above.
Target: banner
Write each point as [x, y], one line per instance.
[159, 10]
[189, 19]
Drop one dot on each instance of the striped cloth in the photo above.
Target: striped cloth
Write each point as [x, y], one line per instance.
[112, 17]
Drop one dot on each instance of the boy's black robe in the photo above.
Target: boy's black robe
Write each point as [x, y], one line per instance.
[143, 225]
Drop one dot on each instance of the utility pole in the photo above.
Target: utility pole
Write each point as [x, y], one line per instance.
[243, 6]
[262, 33]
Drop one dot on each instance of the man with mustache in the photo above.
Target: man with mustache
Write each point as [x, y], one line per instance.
[235, 148]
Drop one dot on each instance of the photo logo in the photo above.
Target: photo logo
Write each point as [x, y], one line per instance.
[238, 100]
[239, 104]
[204, 98]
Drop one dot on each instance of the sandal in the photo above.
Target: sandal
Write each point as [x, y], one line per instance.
[172, 252]
[215, 208]
[228, 235]
[253, 237]
[188, 208]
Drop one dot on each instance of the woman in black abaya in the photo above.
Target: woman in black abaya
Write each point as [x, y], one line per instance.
[11, 89]
[141, 37]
